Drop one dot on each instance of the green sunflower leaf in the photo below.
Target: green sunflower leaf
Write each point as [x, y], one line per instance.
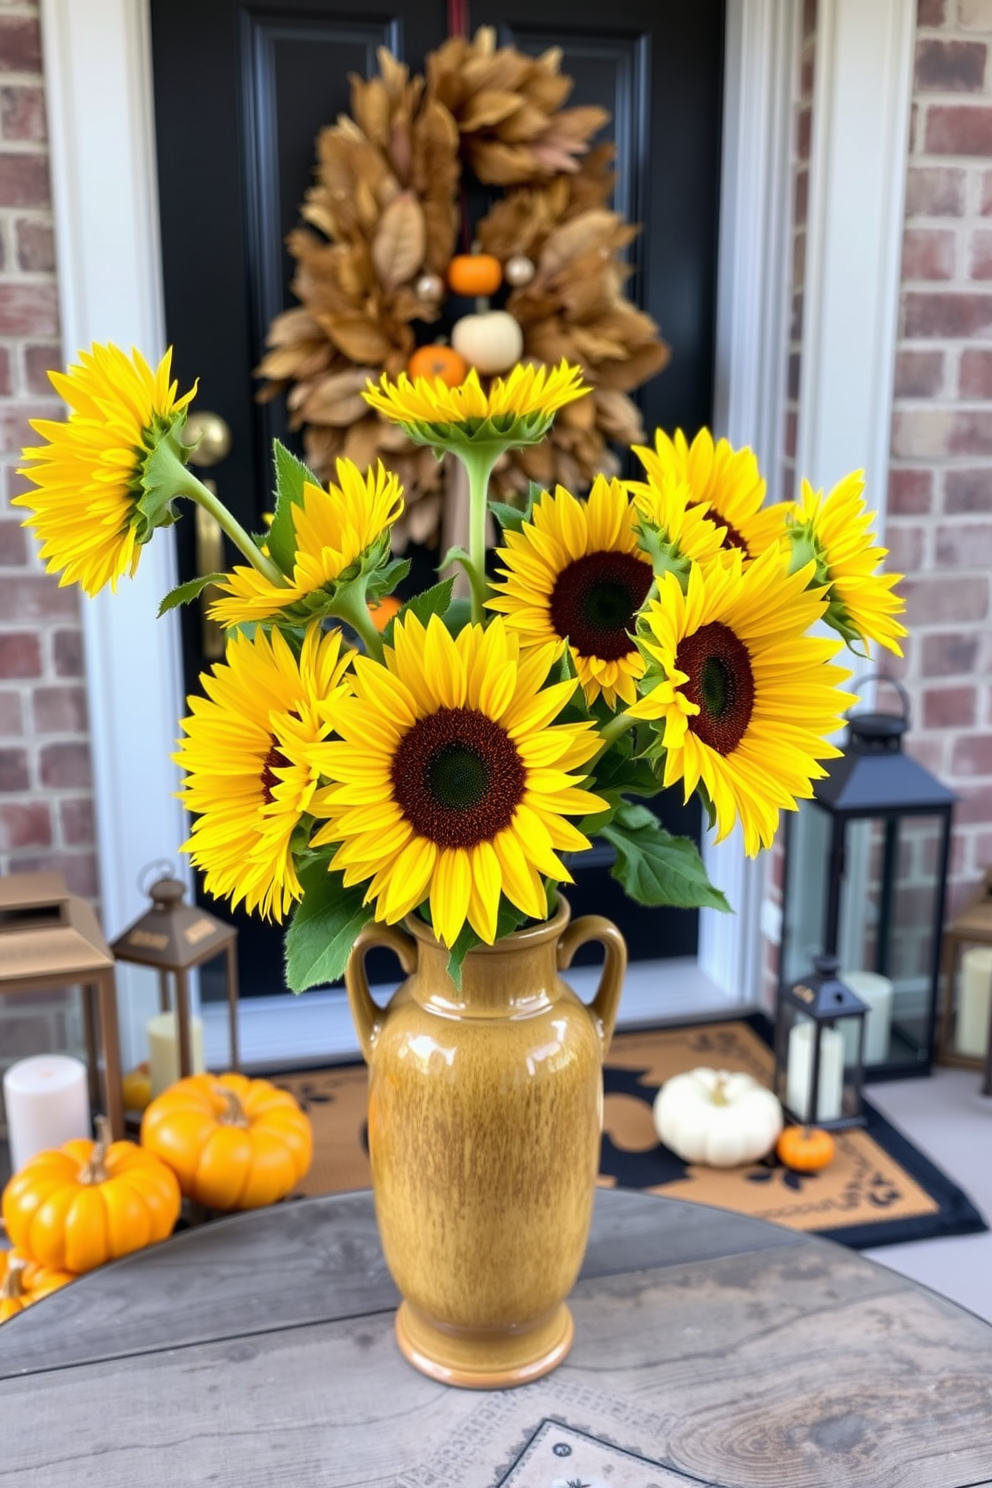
[620, 769]
[656, 868]
[458, 615]
[291, 476]
[184, 593]
[384, 580]
[433, 601]
[323, 928]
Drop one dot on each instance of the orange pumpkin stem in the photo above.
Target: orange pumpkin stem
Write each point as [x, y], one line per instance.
[95, 1169]
[235, 1113]
[12, 1287]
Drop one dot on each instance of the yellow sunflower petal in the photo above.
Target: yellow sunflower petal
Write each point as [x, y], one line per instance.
[88, 474]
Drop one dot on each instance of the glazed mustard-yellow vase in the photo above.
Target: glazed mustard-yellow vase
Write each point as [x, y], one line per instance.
[485, 1112]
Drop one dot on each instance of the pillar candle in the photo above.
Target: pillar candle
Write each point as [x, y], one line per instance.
[799, 1070]
[876, 991]
[163, 1050]
[974, 1001]
[47, 1103]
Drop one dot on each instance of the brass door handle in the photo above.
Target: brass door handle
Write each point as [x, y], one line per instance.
[212, 437]
[209, 559]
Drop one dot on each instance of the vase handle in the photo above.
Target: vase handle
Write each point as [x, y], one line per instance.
[606, 1003]
[368, 1016]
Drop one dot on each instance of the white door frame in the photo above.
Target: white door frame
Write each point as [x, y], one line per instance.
[99, 94]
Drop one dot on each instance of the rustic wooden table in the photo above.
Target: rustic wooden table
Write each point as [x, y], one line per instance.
[710, 1349]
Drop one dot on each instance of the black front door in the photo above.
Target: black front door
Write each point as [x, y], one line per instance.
[241, 92]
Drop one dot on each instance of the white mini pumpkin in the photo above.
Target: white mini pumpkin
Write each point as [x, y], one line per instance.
[719, 1118]
[490, 341]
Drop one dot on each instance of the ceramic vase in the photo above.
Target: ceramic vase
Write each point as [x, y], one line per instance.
[485, 1113]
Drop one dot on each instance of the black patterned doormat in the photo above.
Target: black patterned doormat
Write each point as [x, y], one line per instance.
[879, 1189]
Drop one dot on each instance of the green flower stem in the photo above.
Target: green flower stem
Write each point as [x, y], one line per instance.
[196, 491]
[478, 461]
[350, 606]
[610, 732]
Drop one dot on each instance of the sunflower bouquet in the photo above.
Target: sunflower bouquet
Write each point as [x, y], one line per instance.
[357, 757]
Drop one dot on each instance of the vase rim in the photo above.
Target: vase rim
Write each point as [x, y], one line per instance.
[530, 935]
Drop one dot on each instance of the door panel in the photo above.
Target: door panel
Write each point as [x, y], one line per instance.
[242, 91]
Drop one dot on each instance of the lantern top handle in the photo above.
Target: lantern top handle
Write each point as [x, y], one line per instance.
[879, 733]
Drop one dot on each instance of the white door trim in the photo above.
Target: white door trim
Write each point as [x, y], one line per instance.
[857, 180]
[98, 64]
[751, 360]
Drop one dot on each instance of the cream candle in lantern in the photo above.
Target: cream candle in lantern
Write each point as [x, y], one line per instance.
[47, 1103]
[799, 1071]
[974, 1002]
[163, 1050]
[876, 992]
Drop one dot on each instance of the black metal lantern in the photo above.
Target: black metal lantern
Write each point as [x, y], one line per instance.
[865, 873]
[819, 1043]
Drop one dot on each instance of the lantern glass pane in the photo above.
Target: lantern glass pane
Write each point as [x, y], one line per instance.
[888, 929]
[807, 865]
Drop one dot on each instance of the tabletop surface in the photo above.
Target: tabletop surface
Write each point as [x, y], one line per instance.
[710, 1349]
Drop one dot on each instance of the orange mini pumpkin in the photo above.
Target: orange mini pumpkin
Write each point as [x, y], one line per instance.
[232, 1142]
[23, 1281]
[475, 274]
[438, 361]
[805, 1149]
[77, 1206]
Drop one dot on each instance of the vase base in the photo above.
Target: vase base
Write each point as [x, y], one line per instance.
[483, 1361]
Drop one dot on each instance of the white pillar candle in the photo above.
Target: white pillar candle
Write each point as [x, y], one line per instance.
[47, 1103]
[163, 1050]
[974, 1001]
[876, 991]
[799, 1070]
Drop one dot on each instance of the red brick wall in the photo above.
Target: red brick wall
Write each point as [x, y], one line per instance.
[939, 525]
[46, 801]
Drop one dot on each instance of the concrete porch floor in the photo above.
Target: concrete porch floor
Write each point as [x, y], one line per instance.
[948, 1120]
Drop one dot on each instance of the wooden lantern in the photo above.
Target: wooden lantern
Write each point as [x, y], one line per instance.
[50, 939]
[173, 938]
[966, 1011]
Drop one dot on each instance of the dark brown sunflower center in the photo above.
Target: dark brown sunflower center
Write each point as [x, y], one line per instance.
[721, 682]
[731, 538]
[274, 760]
[595, 600]
[458, 777]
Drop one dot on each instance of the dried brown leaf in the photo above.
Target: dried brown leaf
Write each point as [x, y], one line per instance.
[398, 246]
[487, 108]
[370, 106]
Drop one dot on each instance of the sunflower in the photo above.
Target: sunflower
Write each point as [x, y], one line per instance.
[246, 757]
[89, 474]
[574, 571]
[517, 411]
[334, 530]
[725, 481]
[747, 698]
[673, 528]
[835, 531]
[450, 780]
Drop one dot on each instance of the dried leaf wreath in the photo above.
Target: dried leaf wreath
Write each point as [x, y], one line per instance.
[384, 217]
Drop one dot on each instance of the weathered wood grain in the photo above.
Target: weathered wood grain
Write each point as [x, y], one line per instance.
[772, 1361]
[781, 1369]
[318, 1260]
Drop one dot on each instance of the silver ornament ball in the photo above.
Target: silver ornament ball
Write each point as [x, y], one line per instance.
[429, 287]
[518, 270]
